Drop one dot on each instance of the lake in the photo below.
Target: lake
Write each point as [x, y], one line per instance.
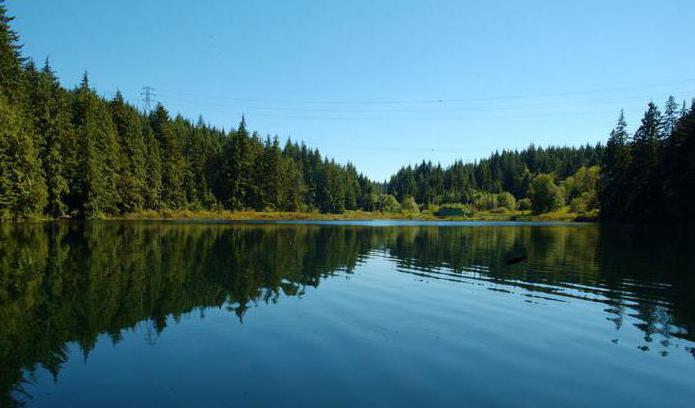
[345, 314]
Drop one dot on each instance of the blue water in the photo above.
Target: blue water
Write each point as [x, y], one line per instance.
[417, 314]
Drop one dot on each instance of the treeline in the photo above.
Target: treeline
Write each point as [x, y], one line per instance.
[73, 153]
[499, 177]
[651, 174]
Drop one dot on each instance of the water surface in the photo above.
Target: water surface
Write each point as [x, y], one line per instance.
[344, 314]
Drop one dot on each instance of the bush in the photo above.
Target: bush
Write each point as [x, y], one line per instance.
[489, 202]
[485, 202]
[545, 195]
[410, 206]
[584, 203]
[524, 204]
[506, 200]
[578, 205]
[388, 203]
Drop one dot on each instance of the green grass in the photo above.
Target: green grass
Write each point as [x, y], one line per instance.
[563, 214]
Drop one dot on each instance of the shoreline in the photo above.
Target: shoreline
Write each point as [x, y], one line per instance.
[182, 215]
[259, 216]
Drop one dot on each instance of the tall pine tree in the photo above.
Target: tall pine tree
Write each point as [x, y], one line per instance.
[99, 154]
[173, 195]
[614, 171]
[54, 134]
[132, 180]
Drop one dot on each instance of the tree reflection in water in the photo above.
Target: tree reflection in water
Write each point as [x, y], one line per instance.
[70, 282]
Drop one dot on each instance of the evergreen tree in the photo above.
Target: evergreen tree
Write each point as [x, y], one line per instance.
[238, 184]
[11, 60]
[670, 118]
[643, 176]
[292, 186]
[22, 188]
[172, 161]
[678, 168]
[152, 193]
[54, 135]
[132, 155]
[614, 171]
[270, 177]
[99, 154]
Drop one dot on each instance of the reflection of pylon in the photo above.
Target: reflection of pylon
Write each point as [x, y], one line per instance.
[150, 336]
[147, 97]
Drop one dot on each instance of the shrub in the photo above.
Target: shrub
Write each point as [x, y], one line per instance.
[388, 203]
[584, 202]
[485, 202]
[545, 195]
[524, 204]
[410, 206]
[506, 200]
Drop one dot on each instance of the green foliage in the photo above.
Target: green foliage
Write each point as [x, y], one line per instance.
[581, 189]
[408, 205]
[99, 152]
[544, 194]
[22, 188]
[524, 204]
[152, 194]
[510, 171]
[506, 200]
[484, 201]
[583, 203]
[389, 204]
[54, 136]
[613, 189]
[173, 164]
[651, 177]
[133, 175]
[11, 73]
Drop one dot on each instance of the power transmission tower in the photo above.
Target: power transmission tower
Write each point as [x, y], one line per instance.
[147, 97]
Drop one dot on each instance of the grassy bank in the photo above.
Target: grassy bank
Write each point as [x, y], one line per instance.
[560, 215]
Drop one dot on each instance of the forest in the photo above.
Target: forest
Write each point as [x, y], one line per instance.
[71, 153]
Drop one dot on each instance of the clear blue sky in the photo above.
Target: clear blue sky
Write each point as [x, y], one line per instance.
[363, 80]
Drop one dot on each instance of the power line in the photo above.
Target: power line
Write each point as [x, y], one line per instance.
[435, 100]
[496, 108]
[466, 114]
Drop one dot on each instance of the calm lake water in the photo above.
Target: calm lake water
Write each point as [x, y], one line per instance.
[329, 314]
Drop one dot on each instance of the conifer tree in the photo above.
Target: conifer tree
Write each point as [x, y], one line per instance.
[670, 118]
[270, 177]
[11, 60]
[172, 161]
[646, 149]
[54, 135]
[22, 188]
[614, 171]
[678, 168]
[152, 194]
[99, 154]
[237, 176]
[293, 188]
[132, 180]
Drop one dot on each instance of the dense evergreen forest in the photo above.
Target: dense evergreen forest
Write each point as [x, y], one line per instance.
[72, 153]
[651, 174]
